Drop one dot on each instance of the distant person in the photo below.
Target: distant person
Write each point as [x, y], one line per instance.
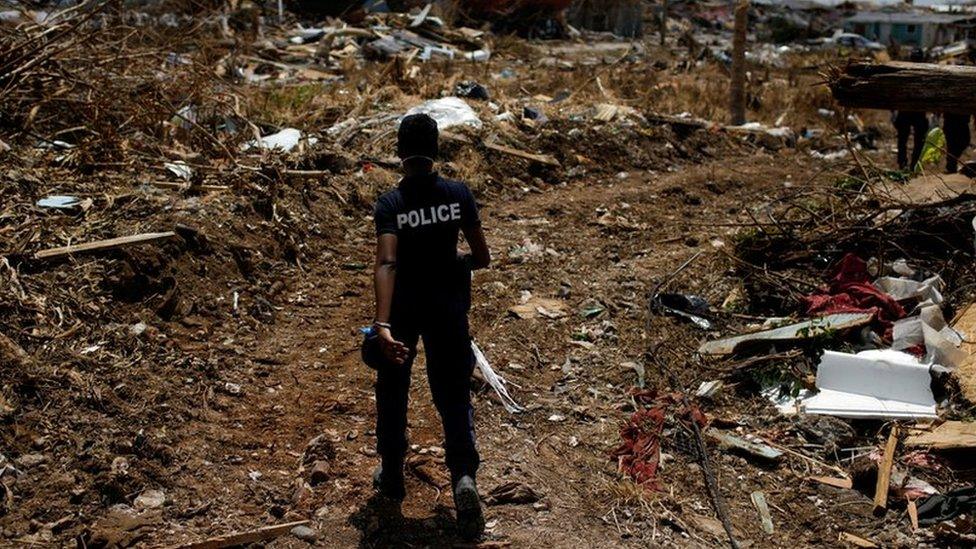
[908, 122]
[956, 130]
[423, 289]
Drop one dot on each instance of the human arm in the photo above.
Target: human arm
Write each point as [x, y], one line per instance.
[480, 256]
[474, 235]
[384, 278]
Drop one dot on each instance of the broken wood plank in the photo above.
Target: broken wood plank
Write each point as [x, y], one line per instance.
[951, 435]
[756, 449]
[242, 538]
[906, 86]
[759, 501]
[913, 514]
[802, 330]
[109, 244]
[884, 472]
[856, 541]
[540, 158]
[451, 136]
[539, 306]
[965, 373]
[844, 483]
[188, 186]
[681, 121]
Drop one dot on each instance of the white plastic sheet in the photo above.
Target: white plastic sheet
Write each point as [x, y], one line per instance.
[448, 112]
[929, 328]
[905, 288]
[496, 382]
[285, 140]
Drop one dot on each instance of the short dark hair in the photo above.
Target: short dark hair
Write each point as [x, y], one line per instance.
[417, 136]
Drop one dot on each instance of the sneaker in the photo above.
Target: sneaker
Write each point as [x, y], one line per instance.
[390, 487]
[471, 523]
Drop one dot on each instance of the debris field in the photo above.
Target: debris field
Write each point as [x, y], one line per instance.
[701, 333]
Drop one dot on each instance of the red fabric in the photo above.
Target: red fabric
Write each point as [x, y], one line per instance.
[640, 453]
[851, 291]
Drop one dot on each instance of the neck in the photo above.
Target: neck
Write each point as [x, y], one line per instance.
[417, 167]
[416, 172]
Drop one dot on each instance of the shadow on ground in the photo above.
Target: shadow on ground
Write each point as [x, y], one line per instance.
[381, 523]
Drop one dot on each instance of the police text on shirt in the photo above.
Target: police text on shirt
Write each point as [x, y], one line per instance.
[429, 216]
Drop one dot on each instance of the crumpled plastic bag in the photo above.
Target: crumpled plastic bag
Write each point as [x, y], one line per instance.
[447, 112]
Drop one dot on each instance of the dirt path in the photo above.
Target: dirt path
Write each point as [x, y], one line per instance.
[598, 248]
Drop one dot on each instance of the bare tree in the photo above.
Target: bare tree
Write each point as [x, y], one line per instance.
[737, 92]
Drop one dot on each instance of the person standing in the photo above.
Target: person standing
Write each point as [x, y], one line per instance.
[956, 130]
[423, 290]
[908, 122]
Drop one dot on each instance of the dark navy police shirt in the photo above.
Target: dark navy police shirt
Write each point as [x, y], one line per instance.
[426, 213]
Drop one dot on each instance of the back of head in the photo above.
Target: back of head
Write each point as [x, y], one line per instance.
[417, 138]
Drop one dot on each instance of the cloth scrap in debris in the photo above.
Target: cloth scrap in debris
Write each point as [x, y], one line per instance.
[639, 454]
[690, 307]
[940, 507]
[851, 291]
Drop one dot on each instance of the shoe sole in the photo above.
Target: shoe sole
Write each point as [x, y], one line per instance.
[395, 495]
[471, 521]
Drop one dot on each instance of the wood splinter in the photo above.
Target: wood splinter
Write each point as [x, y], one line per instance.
[884, 472]
[109, 244]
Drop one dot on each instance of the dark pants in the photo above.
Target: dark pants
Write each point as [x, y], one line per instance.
[956, 129]
[443, 324]
[906, 123]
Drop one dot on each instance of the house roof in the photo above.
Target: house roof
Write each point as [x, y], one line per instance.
[911, 18]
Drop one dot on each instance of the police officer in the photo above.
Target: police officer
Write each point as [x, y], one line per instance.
[423, 289]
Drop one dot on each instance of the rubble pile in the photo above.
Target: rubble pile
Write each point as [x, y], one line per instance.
[866, 292]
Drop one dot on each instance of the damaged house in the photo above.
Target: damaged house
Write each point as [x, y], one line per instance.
[919, 29]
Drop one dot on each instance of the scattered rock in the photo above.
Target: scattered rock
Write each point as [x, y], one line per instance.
[150, 499]
[31, 460]
[305, 533]
[320, 472]
[320, 448]
[120, 466]
[830, 432]
[120, 528]
[138, 329]
[429, 469]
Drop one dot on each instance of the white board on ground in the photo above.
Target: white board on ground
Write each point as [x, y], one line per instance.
[877, 384]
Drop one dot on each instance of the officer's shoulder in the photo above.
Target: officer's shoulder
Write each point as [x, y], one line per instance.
[391, 196]
[454, 185]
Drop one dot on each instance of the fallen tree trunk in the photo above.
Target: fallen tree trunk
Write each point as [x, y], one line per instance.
[907, 86]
